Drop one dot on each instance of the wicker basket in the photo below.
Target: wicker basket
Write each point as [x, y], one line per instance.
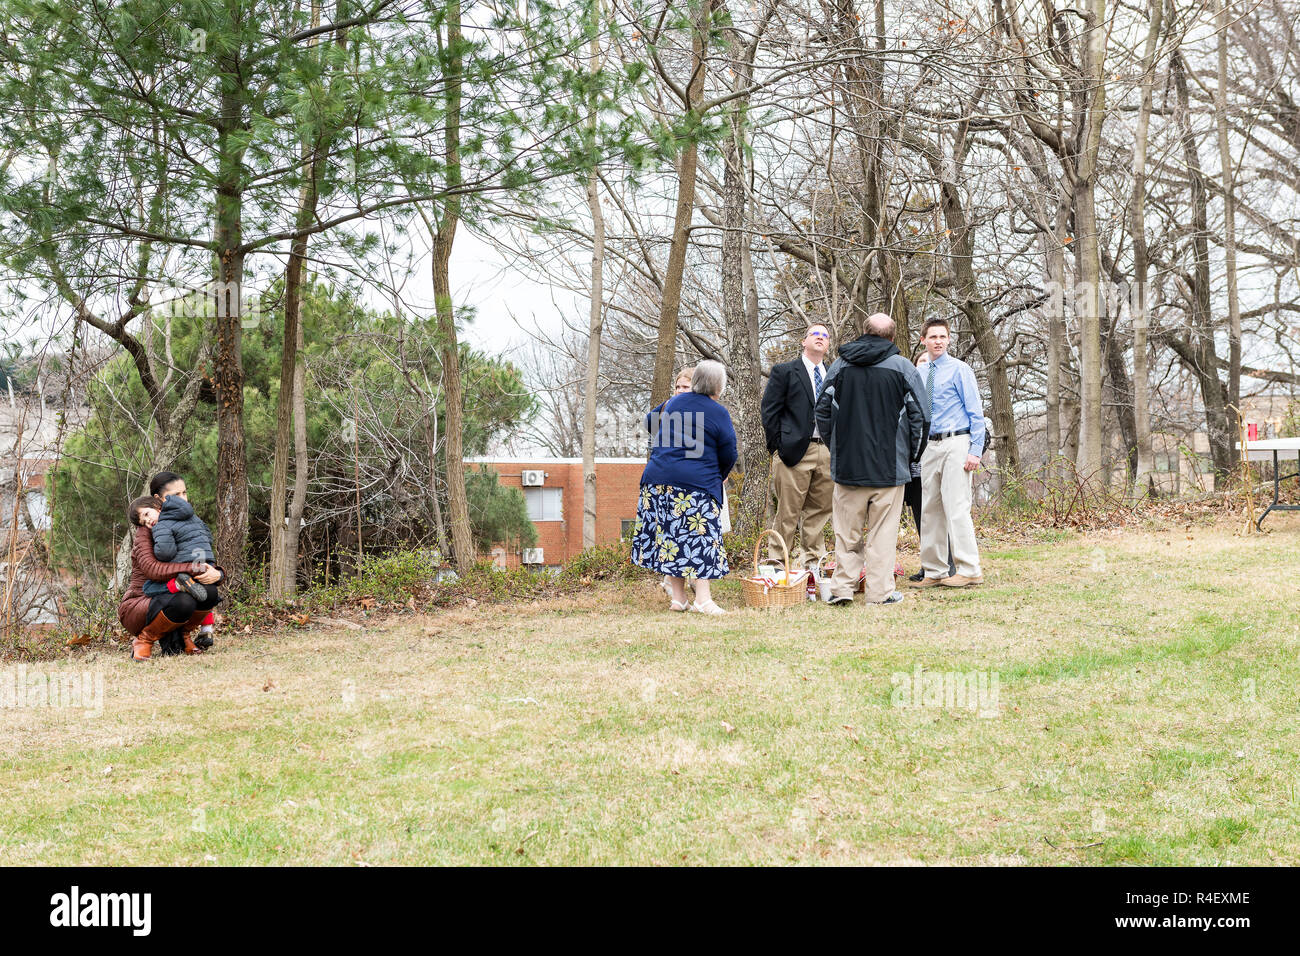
[759, 593]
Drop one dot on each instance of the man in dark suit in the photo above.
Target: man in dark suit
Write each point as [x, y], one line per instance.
[801, 470]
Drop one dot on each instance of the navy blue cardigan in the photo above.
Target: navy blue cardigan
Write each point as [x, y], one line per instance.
[692, 444]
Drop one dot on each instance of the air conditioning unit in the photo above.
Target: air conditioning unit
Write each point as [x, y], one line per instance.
[534, 479]
[533, 556]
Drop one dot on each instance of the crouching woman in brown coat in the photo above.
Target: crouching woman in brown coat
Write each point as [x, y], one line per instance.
[147, 619]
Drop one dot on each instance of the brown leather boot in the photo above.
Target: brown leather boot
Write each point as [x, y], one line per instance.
[188, 629]
[142, 646]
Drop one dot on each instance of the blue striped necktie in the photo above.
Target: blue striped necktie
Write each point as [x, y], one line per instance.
[929, 389]
[817, 381]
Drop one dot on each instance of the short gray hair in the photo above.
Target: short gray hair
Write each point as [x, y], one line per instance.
[710, 378]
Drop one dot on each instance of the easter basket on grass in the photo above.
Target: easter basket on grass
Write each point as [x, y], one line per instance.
[779, 588]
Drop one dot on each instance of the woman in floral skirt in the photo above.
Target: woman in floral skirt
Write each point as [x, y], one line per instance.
[679, 514]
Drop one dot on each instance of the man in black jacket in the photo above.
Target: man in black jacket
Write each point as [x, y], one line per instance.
[802, 469]
[873, 411]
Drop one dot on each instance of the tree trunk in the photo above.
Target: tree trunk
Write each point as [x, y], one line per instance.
[1199, 352]
[1055, 337]
[1121, 389]
[592, 385]
[1141, 264]
[966, 295]
[864, 89]
[284, 555]
[1087, 300]
[431, 440]
[1089, 254]
[1229, 212]
[594, 324]
[740, 301]
[301, 463]
[670, 306]
[283, 564]
[228, 372]
[745, 377]
[462, 538]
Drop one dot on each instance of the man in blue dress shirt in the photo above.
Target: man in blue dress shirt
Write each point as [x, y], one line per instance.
[950, 459]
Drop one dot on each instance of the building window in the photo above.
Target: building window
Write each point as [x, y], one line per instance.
[545, 504]
[626, 528]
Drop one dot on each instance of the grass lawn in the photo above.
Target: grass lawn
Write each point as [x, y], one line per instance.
[1145, 713]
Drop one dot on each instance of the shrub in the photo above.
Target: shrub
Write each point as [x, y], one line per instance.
[89, 611]
[740, 551]
[608, 562]
[488, 583]
[394, 576]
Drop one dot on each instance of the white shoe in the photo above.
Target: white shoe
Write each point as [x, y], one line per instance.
[709, 608]
[679, 607]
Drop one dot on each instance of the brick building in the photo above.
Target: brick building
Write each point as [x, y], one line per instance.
[552, 488]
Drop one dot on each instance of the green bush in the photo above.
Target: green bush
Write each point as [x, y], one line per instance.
[398, 576]
[394, 576]
[607, 562]
[740, 551]
[488, 583]
[89, 610]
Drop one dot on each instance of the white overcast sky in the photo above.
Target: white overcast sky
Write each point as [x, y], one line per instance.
[505, 301]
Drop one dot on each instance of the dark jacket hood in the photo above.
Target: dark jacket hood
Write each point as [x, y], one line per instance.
[868, 350]
[176, 508]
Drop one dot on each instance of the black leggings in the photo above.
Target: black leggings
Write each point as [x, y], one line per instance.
[912, 498]
[180, 607]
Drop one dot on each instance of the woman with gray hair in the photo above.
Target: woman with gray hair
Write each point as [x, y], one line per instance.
[679, 514]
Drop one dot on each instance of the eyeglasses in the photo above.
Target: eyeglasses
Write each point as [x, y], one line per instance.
[818, 335]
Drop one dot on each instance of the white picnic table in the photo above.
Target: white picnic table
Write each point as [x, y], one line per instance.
[1272, 449]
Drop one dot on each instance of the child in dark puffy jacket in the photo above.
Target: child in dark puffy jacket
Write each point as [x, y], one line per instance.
[181, 535]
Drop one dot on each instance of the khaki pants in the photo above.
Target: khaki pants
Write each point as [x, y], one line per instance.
[803, 491]
[945, 510]
[880, 509]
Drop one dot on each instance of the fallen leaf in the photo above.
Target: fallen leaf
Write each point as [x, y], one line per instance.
[727, 728]
[79, 640]
[269, 685]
